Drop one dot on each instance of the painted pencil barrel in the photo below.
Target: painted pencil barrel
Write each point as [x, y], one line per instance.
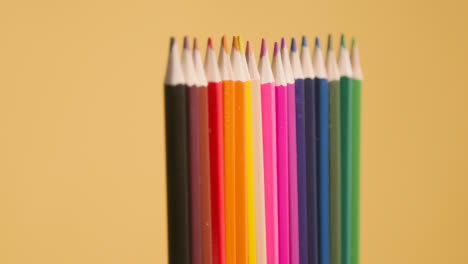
[311, 170]
[177, 173]
[335, 173]
[346, 112]
[356, 166]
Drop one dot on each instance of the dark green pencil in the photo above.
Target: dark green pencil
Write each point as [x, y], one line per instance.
[335, 155]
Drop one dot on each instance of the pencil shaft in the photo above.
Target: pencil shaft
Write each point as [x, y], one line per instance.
[346, 103]
[177, 173]
[271, 173]
[356, 166]
[335, 173]
[194, 161]
[205, 175]
[229, 171]
[311, 170]
[292, 172]
[301, 171]
[250, 174]
[323, 168]
[215, 120]
[240, 172]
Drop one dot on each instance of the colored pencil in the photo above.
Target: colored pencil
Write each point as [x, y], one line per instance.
[282, 154]
[321, 106]
[194, 151]
[215, 122]
[257, 138]
[240, 153]
[204, 156]
[335, 158]
[292, 155]
[178, 182]
[251, 239]
[356, 152]
[269, 154]
[311, 154]
[224, 64]
[346, 104]
[301, 153]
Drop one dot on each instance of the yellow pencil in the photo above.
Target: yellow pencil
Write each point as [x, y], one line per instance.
[250, 166]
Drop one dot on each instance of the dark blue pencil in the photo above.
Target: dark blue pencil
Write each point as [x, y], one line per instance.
[321, 106]
[301, 152]
[311, 154]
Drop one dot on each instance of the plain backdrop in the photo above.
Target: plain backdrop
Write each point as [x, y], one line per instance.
[82, 161]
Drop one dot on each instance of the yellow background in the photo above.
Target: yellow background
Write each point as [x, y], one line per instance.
[81, 121]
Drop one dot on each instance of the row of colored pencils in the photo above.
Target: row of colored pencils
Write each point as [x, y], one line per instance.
[263, 162]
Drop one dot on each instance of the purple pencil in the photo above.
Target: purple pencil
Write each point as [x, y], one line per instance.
[282, 151]
[292, 155]
[194, 152]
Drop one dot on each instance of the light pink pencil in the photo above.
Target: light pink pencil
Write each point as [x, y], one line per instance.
[269, 154]
[282, 154]
[292, 155]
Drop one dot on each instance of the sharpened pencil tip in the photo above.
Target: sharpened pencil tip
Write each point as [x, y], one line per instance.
[343, 41]
[235, 43]
[293, 45]
[283, 43]
[186, 43]
[225, 45]
[330, 45]
[195, 44]
[210, 43]
[317, 42]
[276, 49]
[239, 42]
[248, 49]
[263, 50]
[172, 41]
[304, 41]
[353, 42]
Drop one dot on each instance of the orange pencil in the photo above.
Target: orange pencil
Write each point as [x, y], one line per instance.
[240, 153]
[229, 158]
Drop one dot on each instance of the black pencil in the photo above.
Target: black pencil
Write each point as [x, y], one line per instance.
[175, 95]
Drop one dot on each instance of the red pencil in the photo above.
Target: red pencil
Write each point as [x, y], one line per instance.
[215, 123]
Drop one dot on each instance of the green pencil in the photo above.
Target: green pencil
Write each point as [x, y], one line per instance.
[346, 100]
[356, 148]
[335, 155]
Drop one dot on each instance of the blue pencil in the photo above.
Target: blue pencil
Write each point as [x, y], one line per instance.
[311, 154]
[321, 106]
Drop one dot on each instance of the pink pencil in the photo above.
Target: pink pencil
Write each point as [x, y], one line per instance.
[269, 154]
[282, 154]
[292, 155]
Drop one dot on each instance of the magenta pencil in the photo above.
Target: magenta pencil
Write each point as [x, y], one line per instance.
[282, 155]
[292, 155]
[194, 152]
[269, 154]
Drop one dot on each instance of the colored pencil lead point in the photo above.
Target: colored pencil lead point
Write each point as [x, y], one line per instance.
[235, 43]
[304, 41]
[225, 45]
[195, 44]
[353, 42]
[241, 47]
[317, 42]
[283, 43]
[172, 41]
[263, 50]
[210, 43]
[186, 43]
[293, 45]
[343, 41]
[330, 46]
[276, 49]
[248, 49]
